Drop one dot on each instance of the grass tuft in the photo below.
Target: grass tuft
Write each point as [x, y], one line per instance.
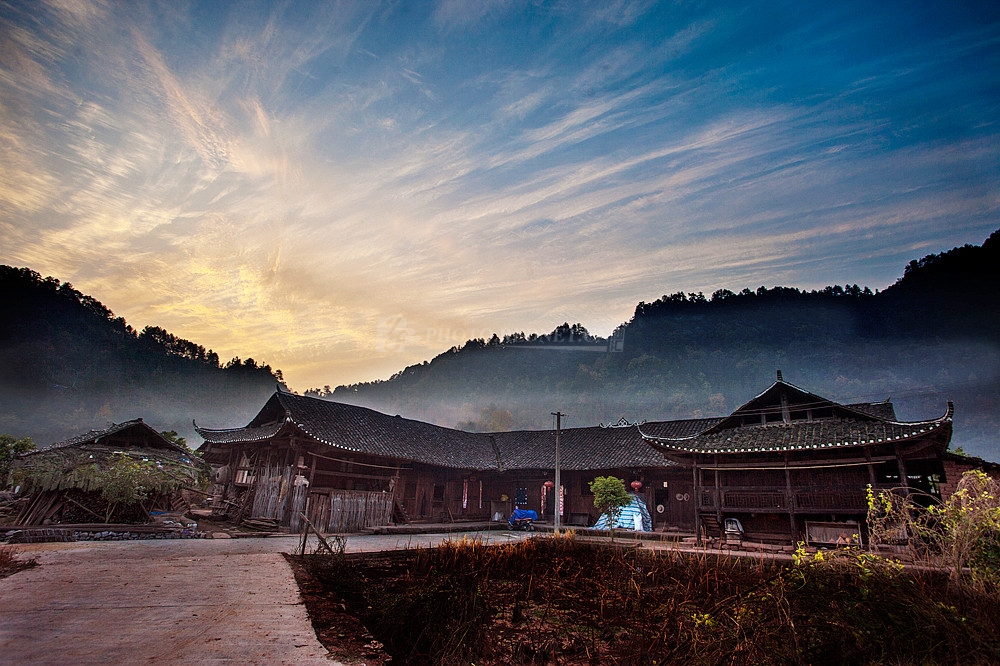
[10, 563]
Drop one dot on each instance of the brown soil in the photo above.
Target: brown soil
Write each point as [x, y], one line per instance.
[339, 631]
[553, 601]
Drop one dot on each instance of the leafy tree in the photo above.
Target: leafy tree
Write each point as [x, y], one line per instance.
[610, 497]
[125, 481]
[175, 438]
[962, 533]
[491, 419]
[971, 522]
[10, 448]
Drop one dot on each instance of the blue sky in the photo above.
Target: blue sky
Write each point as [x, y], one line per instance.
[342, 189]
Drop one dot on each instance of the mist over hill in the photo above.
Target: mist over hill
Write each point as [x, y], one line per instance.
[68, 365]
[931, 337]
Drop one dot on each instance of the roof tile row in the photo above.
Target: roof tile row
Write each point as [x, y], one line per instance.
[353, 428]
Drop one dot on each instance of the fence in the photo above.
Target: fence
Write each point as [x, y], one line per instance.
[277, 496]
[354, 510]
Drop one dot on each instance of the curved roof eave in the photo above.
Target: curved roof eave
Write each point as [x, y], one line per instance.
[239, 435]
[922, 428]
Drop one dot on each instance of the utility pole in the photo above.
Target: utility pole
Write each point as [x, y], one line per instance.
[558, 511]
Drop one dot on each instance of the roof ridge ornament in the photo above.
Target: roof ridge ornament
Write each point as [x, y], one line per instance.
[623, 423]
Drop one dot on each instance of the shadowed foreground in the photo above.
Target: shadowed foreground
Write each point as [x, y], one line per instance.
[560, 601]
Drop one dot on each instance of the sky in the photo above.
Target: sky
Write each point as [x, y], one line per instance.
[342, 189]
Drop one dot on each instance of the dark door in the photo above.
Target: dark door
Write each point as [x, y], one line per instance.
[681, 506]
[661, 507]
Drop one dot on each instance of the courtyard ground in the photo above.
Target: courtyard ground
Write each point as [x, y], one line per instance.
[205, 601]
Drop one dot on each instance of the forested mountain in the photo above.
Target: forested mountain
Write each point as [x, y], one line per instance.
[68, 365]
[932, 336]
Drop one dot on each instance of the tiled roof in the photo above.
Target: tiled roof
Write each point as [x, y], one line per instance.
[675, 429]
[353, 428]
[363, 430]
[882, 410]
[579, 449]
[151, 437]
[801, 435]
[233, 435]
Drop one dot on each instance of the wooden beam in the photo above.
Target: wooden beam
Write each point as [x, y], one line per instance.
[350, 475]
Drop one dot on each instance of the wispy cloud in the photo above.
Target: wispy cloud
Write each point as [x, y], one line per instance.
[284, 177]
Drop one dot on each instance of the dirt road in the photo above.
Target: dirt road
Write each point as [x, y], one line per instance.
[198, 601]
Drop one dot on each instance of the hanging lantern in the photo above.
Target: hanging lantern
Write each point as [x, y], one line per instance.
[549, 484]
[636, 485]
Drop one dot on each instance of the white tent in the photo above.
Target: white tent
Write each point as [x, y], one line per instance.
[635, 516]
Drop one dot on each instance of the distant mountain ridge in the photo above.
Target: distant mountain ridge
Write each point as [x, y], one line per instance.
[932, 336]
[67, 365]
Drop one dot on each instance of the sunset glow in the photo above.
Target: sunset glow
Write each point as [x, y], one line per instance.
[341, 189]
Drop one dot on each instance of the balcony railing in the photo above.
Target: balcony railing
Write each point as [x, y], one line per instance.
[763, 499]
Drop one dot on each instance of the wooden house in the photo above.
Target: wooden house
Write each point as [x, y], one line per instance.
[346, 467]
[790, 463]
[787, 463]
[349, 467]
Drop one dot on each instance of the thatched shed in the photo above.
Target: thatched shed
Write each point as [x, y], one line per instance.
[120, 474]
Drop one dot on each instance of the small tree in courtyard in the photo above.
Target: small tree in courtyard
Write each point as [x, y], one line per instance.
[610, 497]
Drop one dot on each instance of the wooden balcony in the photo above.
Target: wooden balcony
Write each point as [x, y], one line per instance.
[763, 499]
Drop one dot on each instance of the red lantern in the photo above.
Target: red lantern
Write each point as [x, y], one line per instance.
[636, 485]
[549, 484]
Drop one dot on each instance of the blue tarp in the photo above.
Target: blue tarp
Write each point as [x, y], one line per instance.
[521, 514]
[627, 519]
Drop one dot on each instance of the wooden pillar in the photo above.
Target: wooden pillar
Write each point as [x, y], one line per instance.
[718, 494]
[871, 468]
[790, 500]
[697, 500]
[290, 452]
[903, 481]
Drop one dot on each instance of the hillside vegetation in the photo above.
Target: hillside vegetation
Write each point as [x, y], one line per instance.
[931, 337]
[68, 365]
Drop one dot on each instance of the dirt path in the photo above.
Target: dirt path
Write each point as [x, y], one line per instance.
[199, 601]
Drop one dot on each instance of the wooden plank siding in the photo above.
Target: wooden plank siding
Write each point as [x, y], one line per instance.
[277, 497]
[354, 510]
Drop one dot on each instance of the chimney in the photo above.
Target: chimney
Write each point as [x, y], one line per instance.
[779, 375]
